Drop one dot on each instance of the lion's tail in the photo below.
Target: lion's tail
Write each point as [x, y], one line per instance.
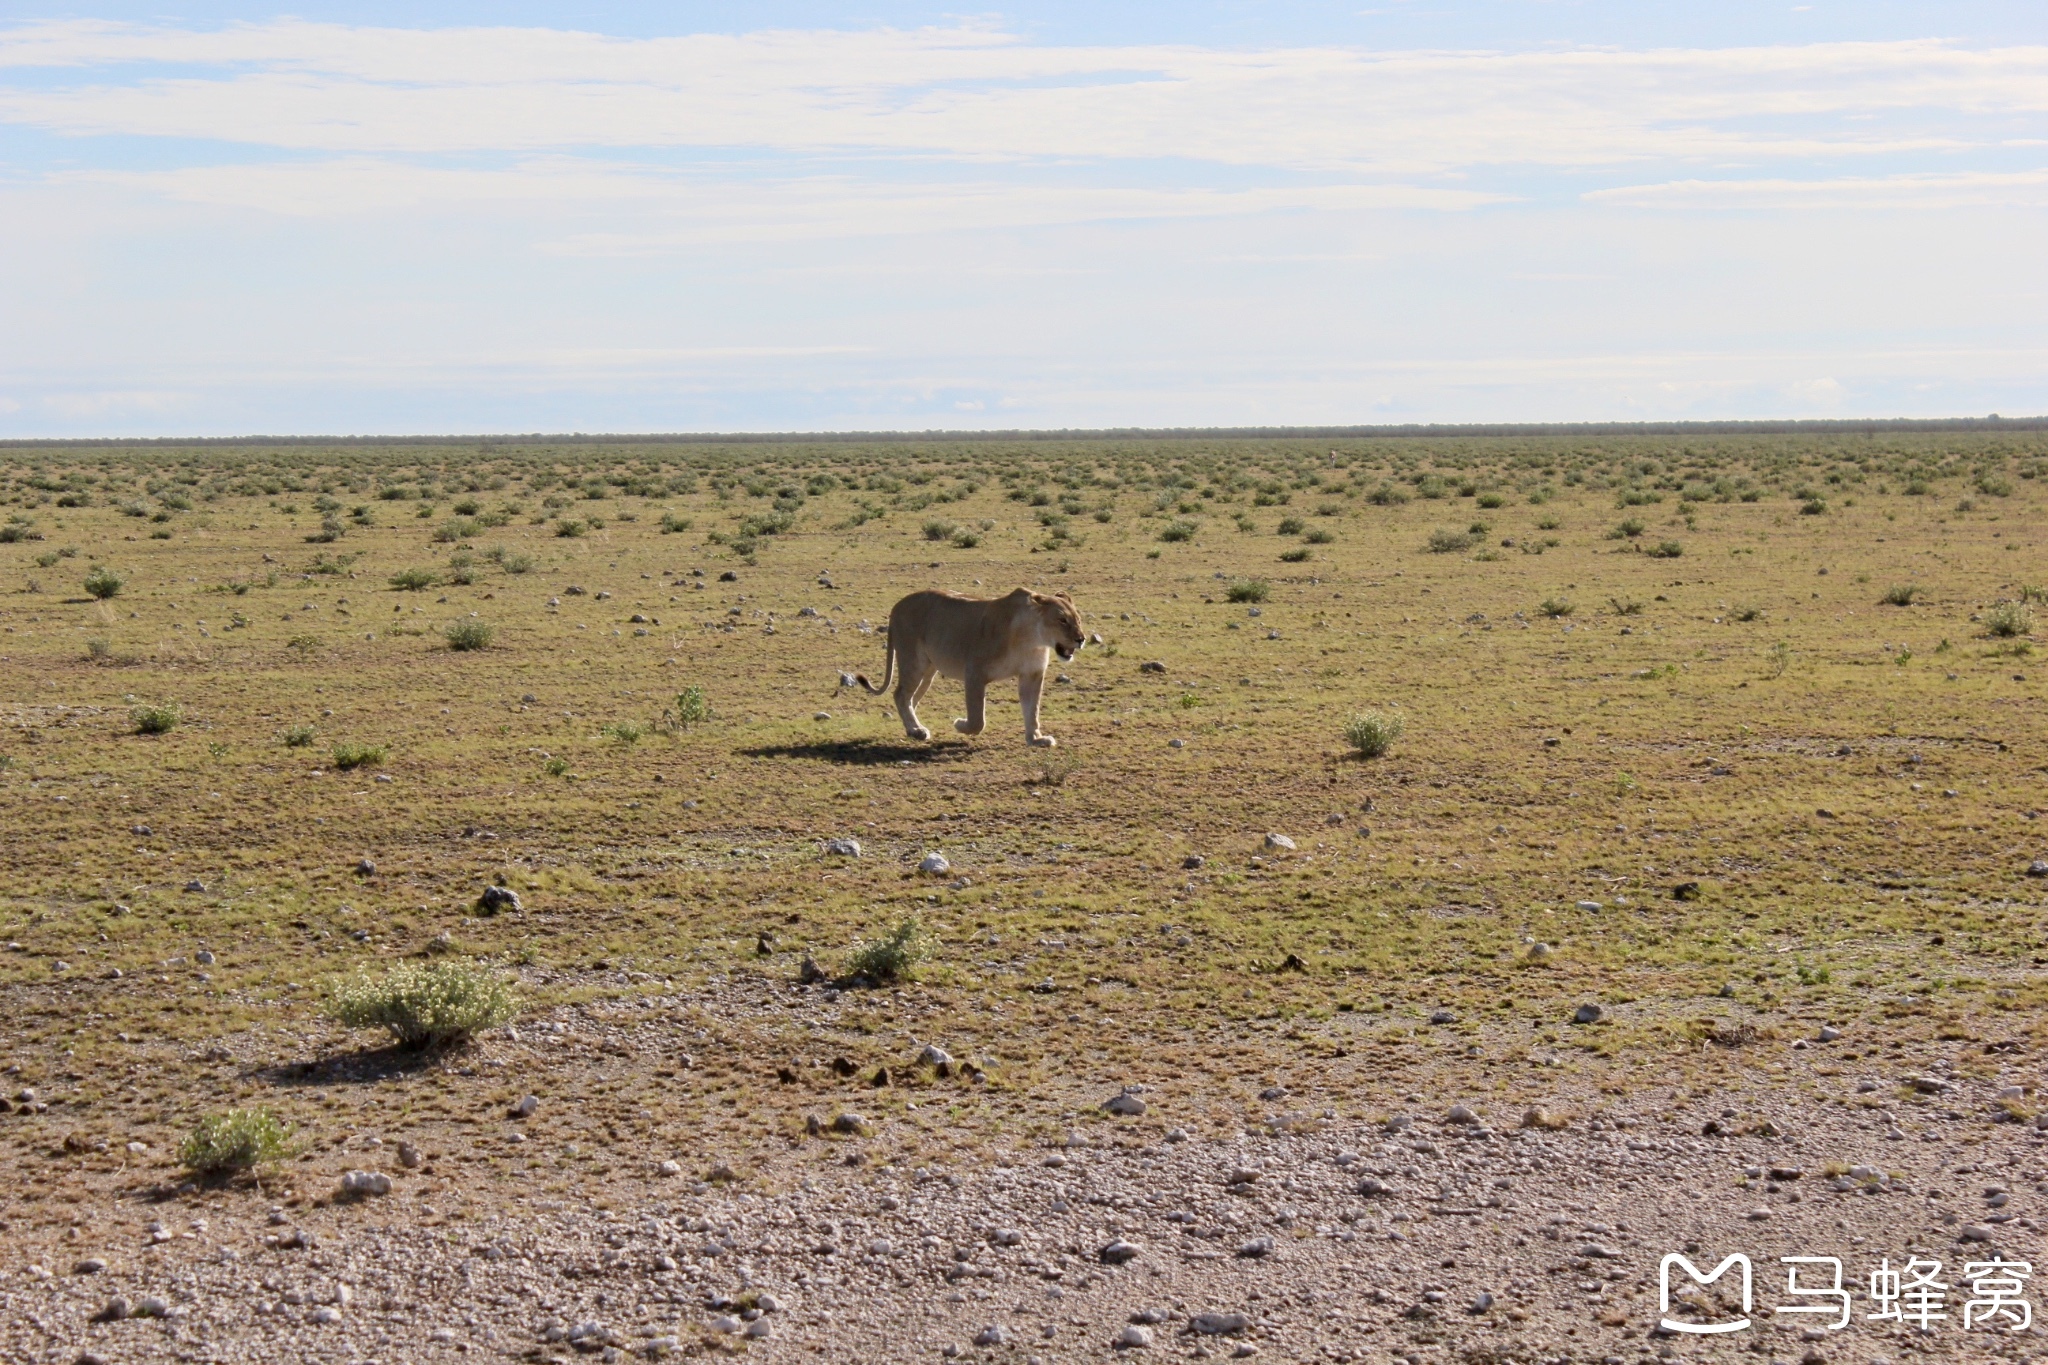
[888, 671]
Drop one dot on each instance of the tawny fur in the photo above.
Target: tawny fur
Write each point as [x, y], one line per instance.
[978, 641]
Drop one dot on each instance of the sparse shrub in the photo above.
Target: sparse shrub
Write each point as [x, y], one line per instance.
[626, 731]
[299, 736]
[1442, 542]
[1625, 606]
[1813, 507]
[964, 539]
[1491, 500]
[1900, 594]
[238, 1140]
[432, 1004]
[2009, 619]
[304, 644]
[569, 528]
[1290, 526]
[938, 529]
[671, 524]
[469, 633]
[349, 755]
[1387, 495]
[1547, 522]
[104, 583]
[1627, 529]
[1247, 590]
[99, 651]
[895, 956]
[1747, 612]
[414, 580]
[1300, 554]
[1994, 485]
[155, 720]
[1319, 536]
[1556, 606]
[691, 708]
[1372, 733]
[1176, 531]
[511, 561]
[555, 767]
[2033, 593]
[1665, 549]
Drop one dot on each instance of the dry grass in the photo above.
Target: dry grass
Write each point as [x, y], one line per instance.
[685, 867]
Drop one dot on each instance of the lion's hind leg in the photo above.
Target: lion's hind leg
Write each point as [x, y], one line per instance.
[911, 684]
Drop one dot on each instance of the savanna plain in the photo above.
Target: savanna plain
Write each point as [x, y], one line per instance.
[452, 908]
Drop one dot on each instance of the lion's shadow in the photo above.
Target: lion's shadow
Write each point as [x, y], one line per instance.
[865, 752]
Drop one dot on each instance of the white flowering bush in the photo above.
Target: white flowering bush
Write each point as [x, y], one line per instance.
[426, 1004]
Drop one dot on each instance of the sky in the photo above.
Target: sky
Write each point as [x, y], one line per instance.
[363, 219]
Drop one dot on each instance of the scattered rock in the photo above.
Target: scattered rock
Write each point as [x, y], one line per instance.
[1219, 1324]
[115, 1310]
[1193, 861]
[934, 864]
[91, 1265]
[1539, 952]
[935, 1056]
[366, 868]
[1256, 1248]
[195, 886]
[843, 848]
[496, 898]
[810, 973]
[1975, 1232]
[1120, 1252]
[1442, 1017]
[1372, 1187]
[1134, 1338]
[365, 1183]
[1399, 1123]
[203, 957]
[526, 1107]
[1587, 1014]
[2038, 868]
[1686, 891]
[1483, 1304]
[1829, 1033]
[1152, 666]
[850, 1123]
[1589, 905]
[1126, 1104]
[1927, 1085]
[1463, 1115]
[995, 1334]
[1279, 843]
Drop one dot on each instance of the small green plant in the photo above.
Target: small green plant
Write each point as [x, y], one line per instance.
[895, 956]
[1781, 658]
[1745, 611]
[99, 651]
[1556, 606]
[691, 708]
[1900, 595]
[469, 633]
[1492, 500]
[431, 1004]
[304, 644]
[414, 580]
[1372, 733]
[1625, 606]
[1443, 542]
[964, 539]
[2009, 619]
[569, 528]
[238, 1140]
[155, 720]
[1628, 529]
[1290, 526]
[348, 755]
[511, 561]
[556, 767]
[1247, 590]
[626, 731]
[1548, 522]
[1319, 536]
[1187, 701]
[2033, 593]
[299, 736]
[1300, 554]
[1813, 507]
[1665, 549]
[104, 583]
[1176, 531]
[938, 529]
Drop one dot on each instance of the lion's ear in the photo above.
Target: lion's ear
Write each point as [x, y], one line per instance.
[1062, 596]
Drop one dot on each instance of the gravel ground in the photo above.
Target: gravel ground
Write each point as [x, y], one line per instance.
[1476, 1237]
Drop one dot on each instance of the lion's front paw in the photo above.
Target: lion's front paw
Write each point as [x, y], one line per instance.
[920, 733]
[1044, 742]
[966, 727]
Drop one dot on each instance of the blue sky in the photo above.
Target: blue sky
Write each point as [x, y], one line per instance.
[218, 219]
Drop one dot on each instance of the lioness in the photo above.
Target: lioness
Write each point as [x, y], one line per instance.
[978, 640]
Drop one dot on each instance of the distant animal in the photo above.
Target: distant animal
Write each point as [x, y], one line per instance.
[978, 640]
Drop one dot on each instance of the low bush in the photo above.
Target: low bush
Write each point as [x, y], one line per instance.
[469, 633]
[104, 583]
[299, 737]
[1247, 590]
[155, 720]
[2009, 619]
[1900, 595]
[1372, 733]
[414, 580]
[1442, 542]
[1319, 537]
[348, 756]
[895, 956]
[434, 1004]
[238, 1140]
[1300, 554]
[1176, 531]
[1290, 526]
[1556, 606]
[1665, 549]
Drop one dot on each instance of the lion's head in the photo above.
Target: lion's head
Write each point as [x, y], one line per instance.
[1062, 624]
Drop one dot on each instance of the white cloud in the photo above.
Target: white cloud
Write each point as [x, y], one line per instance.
[2026, 189]
[974, 92]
